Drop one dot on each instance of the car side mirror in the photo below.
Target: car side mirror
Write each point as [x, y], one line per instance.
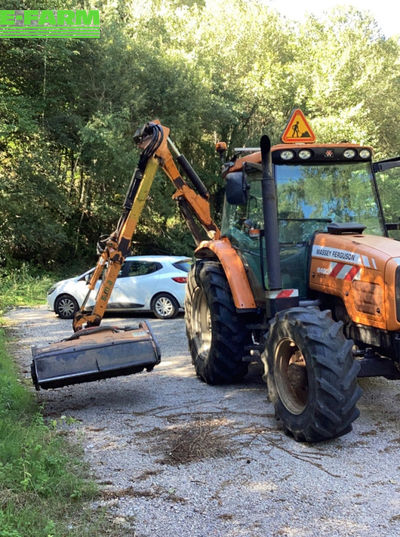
[236, 188]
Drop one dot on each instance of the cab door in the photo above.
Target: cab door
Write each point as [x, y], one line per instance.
[387, 179]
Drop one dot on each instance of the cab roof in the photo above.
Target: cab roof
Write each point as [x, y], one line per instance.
[319, 154]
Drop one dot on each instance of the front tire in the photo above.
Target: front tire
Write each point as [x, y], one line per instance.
[311, 374]
[216, 333]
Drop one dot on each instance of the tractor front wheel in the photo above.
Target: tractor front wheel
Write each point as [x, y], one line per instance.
[217, 334]
[311, 374]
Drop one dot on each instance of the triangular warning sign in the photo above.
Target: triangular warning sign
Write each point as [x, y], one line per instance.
[298, 130]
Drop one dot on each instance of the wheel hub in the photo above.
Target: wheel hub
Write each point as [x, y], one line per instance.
[164, 307]
[291, 376]
[66, 306]
[202, 323]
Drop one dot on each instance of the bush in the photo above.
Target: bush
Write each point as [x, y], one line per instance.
[23, 285]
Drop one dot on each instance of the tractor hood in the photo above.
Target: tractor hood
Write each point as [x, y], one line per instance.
[368, 251]
[361, 270]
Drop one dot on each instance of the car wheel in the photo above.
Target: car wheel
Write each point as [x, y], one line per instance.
[66, 306]
[164, 306]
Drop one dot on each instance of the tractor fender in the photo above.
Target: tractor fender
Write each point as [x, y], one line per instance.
[235, 272]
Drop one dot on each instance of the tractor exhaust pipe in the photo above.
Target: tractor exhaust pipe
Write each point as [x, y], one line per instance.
[271, 232]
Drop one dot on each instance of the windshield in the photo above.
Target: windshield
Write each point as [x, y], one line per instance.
[309, 197]
[328, 192]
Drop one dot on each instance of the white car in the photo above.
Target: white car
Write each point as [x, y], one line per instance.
[145, 283]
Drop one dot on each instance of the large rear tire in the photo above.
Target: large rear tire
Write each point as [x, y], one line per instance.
[311, 374]
[216, 333]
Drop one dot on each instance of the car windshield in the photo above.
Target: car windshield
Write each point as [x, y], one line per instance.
[86, 274]
[183, 265]
[333, 192]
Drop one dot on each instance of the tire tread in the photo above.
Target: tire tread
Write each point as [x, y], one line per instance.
[335, 391]
[223, 364]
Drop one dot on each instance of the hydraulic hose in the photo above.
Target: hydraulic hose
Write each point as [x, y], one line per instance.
[189, 171]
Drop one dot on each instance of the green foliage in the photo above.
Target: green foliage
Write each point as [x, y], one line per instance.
[209, 71]
[23, 285]
[45, 490]
[41, 482]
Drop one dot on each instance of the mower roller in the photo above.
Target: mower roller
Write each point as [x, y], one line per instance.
[95, 354]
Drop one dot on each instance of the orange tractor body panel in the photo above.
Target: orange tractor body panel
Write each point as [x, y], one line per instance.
[360, 269]
[235, 272]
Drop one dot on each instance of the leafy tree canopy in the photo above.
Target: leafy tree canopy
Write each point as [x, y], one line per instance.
[209, 70]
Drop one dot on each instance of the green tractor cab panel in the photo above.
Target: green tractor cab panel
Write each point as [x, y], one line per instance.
[243, 224]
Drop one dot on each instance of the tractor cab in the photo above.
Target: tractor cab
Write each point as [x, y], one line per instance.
[316, 185]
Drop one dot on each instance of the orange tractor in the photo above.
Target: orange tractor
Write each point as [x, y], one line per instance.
[302, 274]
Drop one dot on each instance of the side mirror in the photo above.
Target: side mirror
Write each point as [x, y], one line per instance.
[236, 188]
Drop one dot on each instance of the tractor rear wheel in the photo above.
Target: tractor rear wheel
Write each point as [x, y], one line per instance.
[311, 374]
[216, 333]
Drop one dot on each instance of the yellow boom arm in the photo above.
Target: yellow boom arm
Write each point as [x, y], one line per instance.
[153, 139]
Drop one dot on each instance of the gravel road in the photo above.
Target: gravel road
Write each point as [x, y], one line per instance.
[177, 457]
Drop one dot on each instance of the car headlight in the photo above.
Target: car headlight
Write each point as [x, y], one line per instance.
[52, 289]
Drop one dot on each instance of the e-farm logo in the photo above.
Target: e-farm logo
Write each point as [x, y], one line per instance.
[55, 23]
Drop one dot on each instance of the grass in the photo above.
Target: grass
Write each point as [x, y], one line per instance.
[23, 286]
[45, 489]
[27, 285]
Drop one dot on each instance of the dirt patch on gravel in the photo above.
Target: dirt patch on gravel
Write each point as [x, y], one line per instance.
[192, 441]
[130, 492]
